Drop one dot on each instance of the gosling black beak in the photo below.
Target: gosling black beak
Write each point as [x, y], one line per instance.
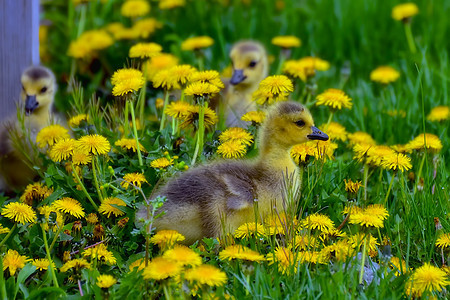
[237, 77]
[30, 104]
[317, 134]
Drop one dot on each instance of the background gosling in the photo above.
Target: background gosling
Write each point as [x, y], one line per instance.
[38, 92]
[199, 199]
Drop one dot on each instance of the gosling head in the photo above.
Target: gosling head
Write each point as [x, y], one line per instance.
[250, 64]
[289, 123]
[38, 88]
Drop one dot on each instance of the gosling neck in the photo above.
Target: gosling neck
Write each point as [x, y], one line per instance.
[276, 157]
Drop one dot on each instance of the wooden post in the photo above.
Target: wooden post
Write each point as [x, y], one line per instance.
[19, 48]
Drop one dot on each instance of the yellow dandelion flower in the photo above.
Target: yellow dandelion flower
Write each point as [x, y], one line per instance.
[19, 212]
[75, 121]
[361, 151]
[170, 4]
[161, 268]
[94, 144]
[201, 89]
[398, 265]
[366, 220]
[193, 114]
[51, 134]
[376, 154]
[165, 80]
[397, 161]
[318, 221]
[35, 192]
[384, 75]
[443, 240]
[96, 39]
[76, 265]
[135, 8]
[41, 264]
[236, 133]
[357, 242]
[92, 218]
[351, 209]
[140, 264]
[425, 141]
[133, 178]
[110, 207]
[404, 11]
[183, 255]
[81, 157]
[129, 144]
[158, 63]
[181, 73]
[240, 252]
[127, 81]
[161, 163]
[145, 50]
[166, 238]
[177, 109]
[360, 137]
[4, 230]
[46, 210]
[266, 97]
[277, 84]
[62, 150]
[13, 261]
[301, 152]
[315, 63]
[206, 275]
[256, 117]
[429, 278]
[323, 150]
[196, 43]
[439, 113]
[101, 253]
[341, 250]
[280, 224]
[284, 258]
[286, 41]
[334, 98]
[209, 76]
[352, 187]
[232, 149]
[247, 230]
[105, 281]
[69, 206]
[304, 242]
[145, 27]
[335, 131]
[377, 210]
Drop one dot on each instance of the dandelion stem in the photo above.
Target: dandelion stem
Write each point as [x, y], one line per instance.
[330, 117]
[94, 175]
[141, 100]
[201, 130]
[52, 271]
[419, 173]
[126, 123]
[410, 38]
[133, 120]
[83, 187]
[8, 235]
[363, 260]
[163, 118]
[56, 237]
[365, 177]
[389, 189]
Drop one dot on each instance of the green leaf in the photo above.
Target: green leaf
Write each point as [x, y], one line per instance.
[47, 293]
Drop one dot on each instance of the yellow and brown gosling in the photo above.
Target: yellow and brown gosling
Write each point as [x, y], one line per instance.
[198, 200]
[38, 92]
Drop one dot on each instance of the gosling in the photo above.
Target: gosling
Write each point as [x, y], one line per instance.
[38, 92]
[198, 200]
[250, 66]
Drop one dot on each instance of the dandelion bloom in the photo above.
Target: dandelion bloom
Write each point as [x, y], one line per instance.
[398, 265]
[357, 242]
[105, 281]
[129, 144]
[62, 150]
[341, 250]
[35, 192]
[301, 152]
[209, 76]
[232, 149]
[126, 81]
[201, 89]
[170, 4]
[404, 11]
[135, 8]
[305, 67]
[240, 252]
[397, 161]
[4, 230]
[365, 219]
[110, 205]
[101, 253]
[181, 73]
[13, 261]
[249, 229]
[334, 98]
[425, 141]
[443, 240]
[76, 265]
[277, 84]
[94, 144]
[323, 149]
[145, 27]
[256, 117]
[384, 75]
[377, 210]
[376, 154]
[352, 187]
[318, 221]
[41, 264]
[140, 264]
[335, 131]
[89, 43]
[145, 50]
[280, 223]
[266, 97]
[161, 268]
[166, 238]
[164, 79]
[284, 258]
[236, 133]
[195, 43]
[193, 114]
[92, 218]
[75, 121]
[304, 242]
[177, 109]
[133, 178]
[51, 134]
[439, 113]
[360, 137]
[427, 278]
[19, 212]
[286, 41]
[207, 275]
[81, 157]
[69, 206]
[158, 63]
[161, 163]
[183, 255]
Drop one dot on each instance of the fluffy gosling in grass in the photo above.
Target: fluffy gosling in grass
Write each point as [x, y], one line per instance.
[250, 66]
[198, 200]
[38, 91]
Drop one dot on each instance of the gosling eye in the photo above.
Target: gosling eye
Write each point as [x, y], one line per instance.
[300, 123]
[252, 64]
[43, 90]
